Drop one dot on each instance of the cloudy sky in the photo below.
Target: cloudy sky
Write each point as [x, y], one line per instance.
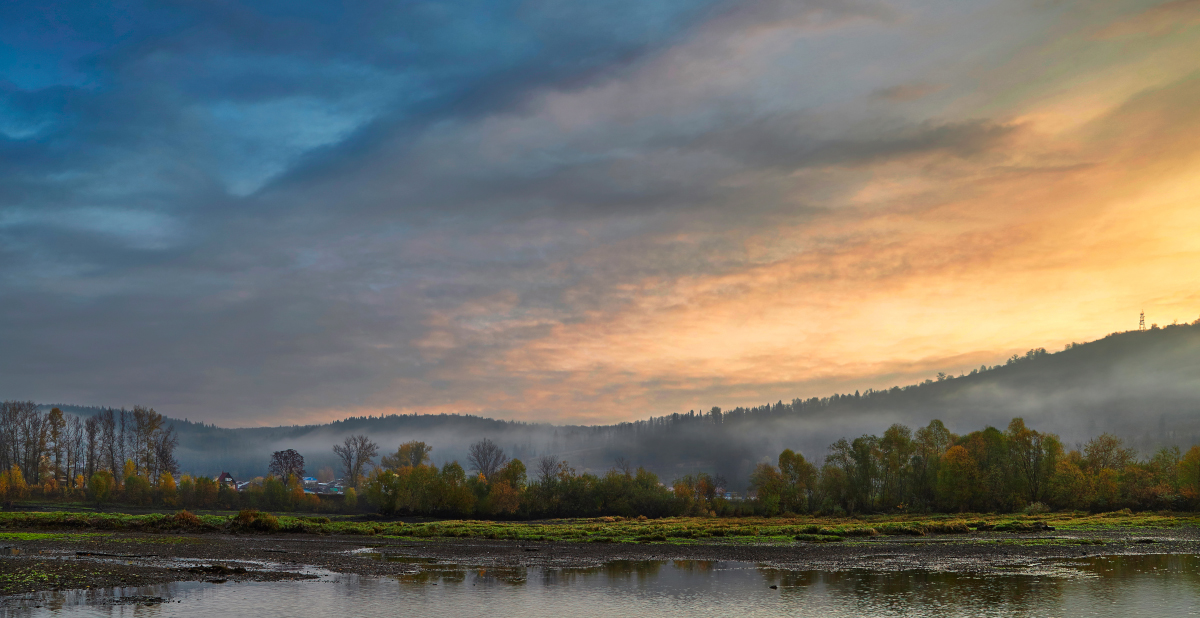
[296, 210]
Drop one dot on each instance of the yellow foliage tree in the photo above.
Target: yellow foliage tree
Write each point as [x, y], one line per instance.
[504, 498]
[14, 484]
[166, 486]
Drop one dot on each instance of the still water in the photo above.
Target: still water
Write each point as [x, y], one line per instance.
[1155, 585]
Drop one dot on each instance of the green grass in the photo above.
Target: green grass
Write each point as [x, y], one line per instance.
[48, 536]
[677, 530]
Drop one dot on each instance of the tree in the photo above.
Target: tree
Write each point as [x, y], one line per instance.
[12, 485]
[768, 485]
[1189, 474]
[1035, 457]
[930, 445]
[163, 445]
[356, 453]
[56, 429]
[1105, 451]
[146, 425]
[548, 467]
[514, 474]
[956, 479]
[100, 486]
[1070, 488]
[798, 477]
[285, 464]
[91, 429]
[486, 458]
[895, 451]
[412, 453]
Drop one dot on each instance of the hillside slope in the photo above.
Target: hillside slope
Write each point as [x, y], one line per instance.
[1142, 385]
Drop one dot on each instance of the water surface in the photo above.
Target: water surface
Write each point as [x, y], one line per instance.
[1154, 585]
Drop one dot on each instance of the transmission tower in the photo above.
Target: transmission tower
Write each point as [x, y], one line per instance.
[1142, 321]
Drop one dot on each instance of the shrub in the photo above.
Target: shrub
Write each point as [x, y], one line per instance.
[250, 519]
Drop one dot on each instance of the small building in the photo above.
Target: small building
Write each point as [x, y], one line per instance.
[226, 480]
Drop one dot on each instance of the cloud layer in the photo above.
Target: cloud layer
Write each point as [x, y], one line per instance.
[264, 212]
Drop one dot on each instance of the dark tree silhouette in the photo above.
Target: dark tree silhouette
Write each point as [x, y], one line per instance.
[486, 458]
[286, 463]
[356, 453]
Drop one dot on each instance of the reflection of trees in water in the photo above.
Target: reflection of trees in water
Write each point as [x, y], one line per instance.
[904, 590]
[97, 599]
[617, 570]
[448, 573]
[695, 566]
[513, 576]
[1121, 567]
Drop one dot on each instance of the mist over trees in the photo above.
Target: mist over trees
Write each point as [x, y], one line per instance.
[66, 455]
[1142, 386]
[901, 471]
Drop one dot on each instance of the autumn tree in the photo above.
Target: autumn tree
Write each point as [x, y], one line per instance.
[1107, 451]
[414, 453]
[956, 479]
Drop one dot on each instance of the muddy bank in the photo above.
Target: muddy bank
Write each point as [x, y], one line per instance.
[52, 561]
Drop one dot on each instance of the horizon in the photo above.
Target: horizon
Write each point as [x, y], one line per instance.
[275, 215]
[699, 410]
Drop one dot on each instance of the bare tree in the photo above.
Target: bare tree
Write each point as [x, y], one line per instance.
[286, 463]
[486, 458]
[623, 466]
[548, 467]
[110, 443]
[356, 453]
[56, 428]
[163, 443]
[75, 447]
[31, 440]
[18, 425]
[91, 430]
[143, 437]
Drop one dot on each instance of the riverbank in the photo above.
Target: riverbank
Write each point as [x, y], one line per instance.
[64, 553]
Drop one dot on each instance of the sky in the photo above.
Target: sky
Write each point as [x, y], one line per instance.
[275, 212]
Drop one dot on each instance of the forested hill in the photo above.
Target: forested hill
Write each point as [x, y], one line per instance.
[1141, 385]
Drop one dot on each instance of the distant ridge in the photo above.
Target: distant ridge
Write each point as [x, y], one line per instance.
[1142, 385]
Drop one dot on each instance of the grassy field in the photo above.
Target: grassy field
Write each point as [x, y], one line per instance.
[21, 525]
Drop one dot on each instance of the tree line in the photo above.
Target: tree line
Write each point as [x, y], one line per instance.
[120, 456]
[922, 471]
[65, 456]
[989, 470]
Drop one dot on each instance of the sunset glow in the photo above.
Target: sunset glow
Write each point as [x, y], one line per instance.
[714, 206]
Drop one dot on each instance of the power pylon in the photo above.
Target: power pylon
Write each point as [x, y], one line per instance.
[1142, 321]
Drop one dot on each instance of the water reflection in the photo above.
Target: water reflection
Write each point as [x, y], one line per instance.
[1097, 586]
